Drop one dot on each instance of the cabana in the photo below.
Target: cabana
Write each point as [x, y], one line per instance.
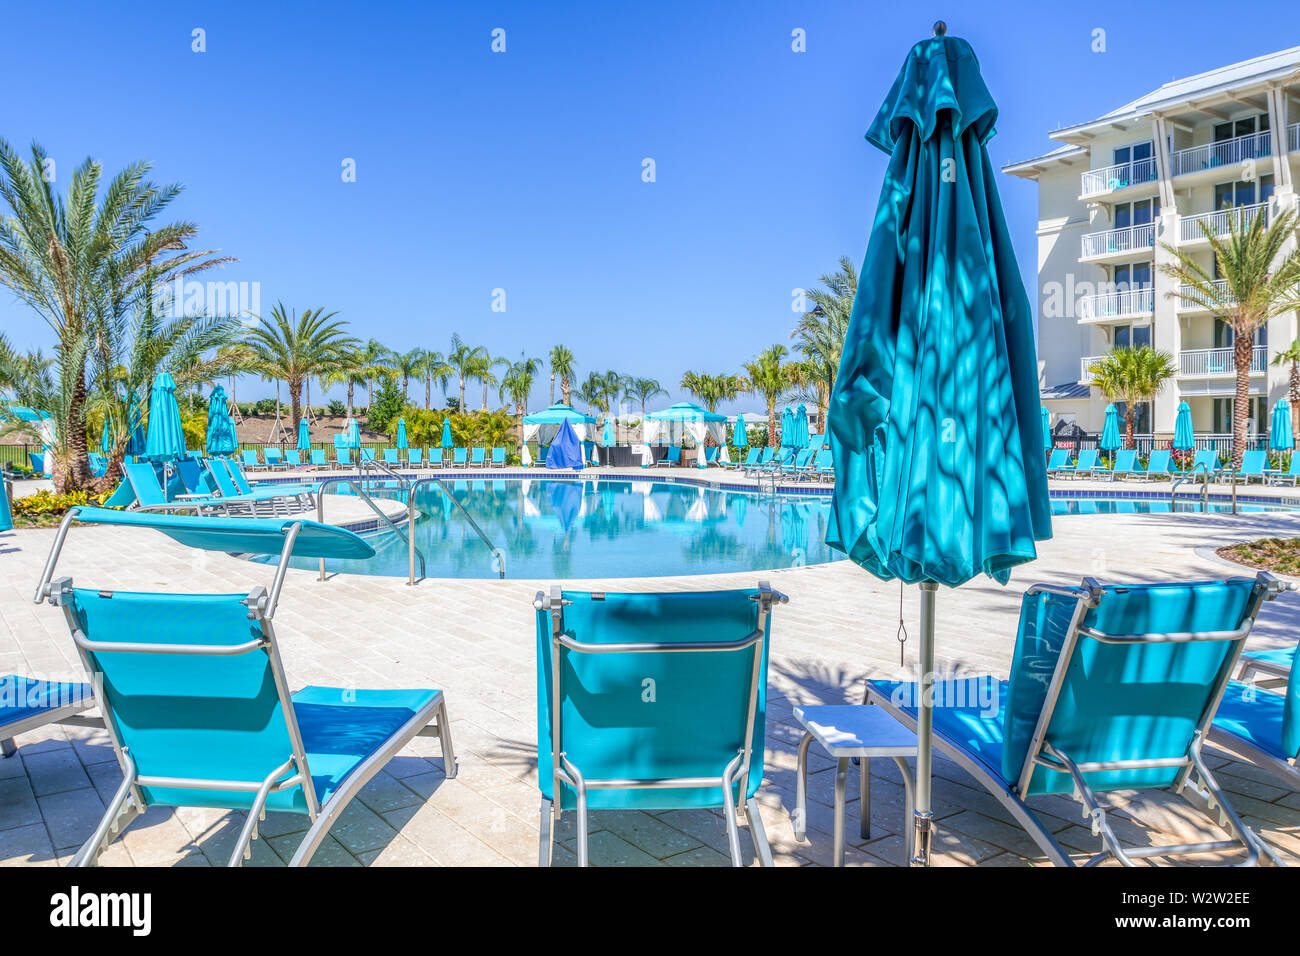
[670, 425]
[542, 426]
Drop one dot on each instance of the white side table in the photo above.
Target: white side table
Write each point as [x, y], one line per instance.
[847, 731]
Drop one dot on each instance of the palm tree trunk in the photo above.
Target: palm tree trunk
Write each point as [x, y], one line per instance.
[1130, 414]
[485, 388]
[1242, 350]
[461, 409]
[553, 388]
[295, 400]
[370, 394]
[428, 392]
[565, 390]
[771, 421]
[78, 467]
[1295, 398]
[350, 390]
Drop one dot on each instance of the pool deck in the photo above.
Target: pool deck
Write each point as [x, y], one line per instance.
[475, 640]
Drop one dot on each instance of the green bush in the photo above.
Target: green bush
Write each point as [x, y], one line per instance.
[337, 409]
[46, 507]
[265, 406]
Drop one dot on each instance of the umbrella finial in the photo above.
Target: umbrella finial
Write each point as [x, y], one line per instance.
[940, 28]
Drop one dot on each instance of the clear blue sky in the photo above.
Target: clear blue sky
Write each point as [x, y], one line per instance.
[522, 170]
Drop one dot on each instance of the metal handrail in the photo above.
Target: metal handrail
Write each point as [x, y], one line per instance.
[410, 518]
[403, 483]
[352, 483]
[1205, 488]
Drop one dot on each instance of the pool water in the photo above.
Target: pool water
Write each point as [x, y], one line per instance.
[1144, 506]
[570, 528]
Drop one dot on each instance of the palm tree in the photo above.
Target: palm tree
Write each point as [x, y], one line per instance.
[613, 386]
[1291, 355]
[464, 362]
[290, 347]
[713, 389]
[436, 369]
[82, 263]
[562, 365]
[820, 332]
[375, 356]
[1258, 283]
[592, 393]
[482, 371]
[518, 384]
[1132, 375]
[643, 390]
[770, 376]
[350, 370]
[408, 365]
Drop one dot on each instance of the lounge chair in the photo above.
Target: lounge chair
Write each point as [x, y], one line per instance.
[672, 458]
[478, 457]
[751, 459]
[1263, 726]
[1087, 463]
[652, 702]
[250, 459]
[540, 460]
[273, 457]
[764, 459]
[1289, 476]
[781, 458]
[798, 465]
[1160, 464]
[710, 456]
[391, 459]
[1274, 663]
[367, 454]
[1205, 465]
[148, 490]
[26, 704]
[317, 458]
[1125, 465]
[498, 457]
[458, 458]
[234, 500]
[292, 459]
[414, 458]
[303, 491]
[1112, 688]
[196, 699]
[434, 458]
[1253, 464]
[1059, 463]
[342, 458]
[824, 465]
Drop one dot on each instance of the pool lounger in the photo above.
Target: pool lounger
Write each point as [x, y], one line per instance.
[1111, 716]
[29, 704]
[196, 699]
[1263, 726]
[703, 655]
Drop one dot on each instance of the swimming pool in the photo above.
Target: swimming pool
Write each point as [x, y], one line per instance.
[1159, 505]
[574, 528]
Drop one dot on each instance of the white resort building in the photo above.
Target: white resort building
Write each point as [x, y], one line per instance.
[1143, 176]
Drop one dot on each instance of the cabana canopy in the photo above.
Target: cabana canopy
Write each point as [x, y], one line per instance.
[542, 426]
[685, 418]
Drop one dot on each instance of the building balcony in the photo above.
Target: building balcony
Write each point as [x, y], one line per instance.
[1208, 363]
[1085, 363]
[1109, 179]
[1218, 222]
[1213, 158]
[1186, 307]
[1132, 304]
[1119, 243]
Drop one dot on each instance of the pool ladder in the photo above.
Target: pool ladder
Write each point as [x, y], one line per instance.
[498, 556]
[1205, 490]
[361, 493]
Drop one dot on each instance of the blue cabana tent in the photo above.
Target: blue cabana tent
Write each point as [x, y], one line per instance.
[543, 426]
[670, 425]
[566, 450]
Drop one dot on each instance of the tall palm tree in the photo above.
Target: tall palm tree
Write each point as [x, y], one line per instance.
[376, 356]
[613, 387]
[82, 263]
[1258, 283]
[820, 332]
[563, 365]
[436, 369]
[464, 362]
[1133, 375]
[769, 375]
[290, 347]
[482, 371]
[517, 382]
[1291, 356]
[643, 390]
[592, 393]
[408, 365]
[350, 370]
[712, 390]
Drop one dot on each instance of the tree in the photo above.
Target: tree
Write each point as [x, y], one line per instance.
[464, 362]
[518, 384]
[375, 356]
[351, 369]
[83, 262]
[1291, 356]
[482, 367]
[643, 390]
[290, 347]
[1258, 283]
[408, 365]
[435, 369]
[1133, 375]
[820, 332]
[387, 407]
[769, 375]
[592, 393]
[563, 366]
[713, 389]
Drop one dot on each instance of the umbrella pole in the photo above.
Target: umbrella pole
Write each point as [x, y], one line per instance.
[922, 817]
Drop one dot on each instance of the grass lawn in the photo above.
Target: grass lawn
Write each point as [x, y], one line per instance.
[1281, 555]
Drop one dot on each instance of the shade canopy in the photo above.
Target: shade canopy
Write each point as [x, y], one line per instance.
[1110, 430]
[607, 435]
[670, 425]
[543, 426]
[447, 440]
[934, 419]
[1184, 437]
[1280, 436]
[165, 440]
[401, 441]
[304, 435]
[221, 438]
[566, 449]
[738, 436]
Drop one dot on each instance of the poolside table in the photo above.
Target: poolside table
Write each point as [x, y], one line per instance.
[847, 731]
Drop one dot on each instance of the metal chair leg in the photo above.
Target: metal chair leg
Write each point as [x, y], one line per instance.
[841, 787]
[800, 821]
[546, 844]
[864, 798]
[761, 848]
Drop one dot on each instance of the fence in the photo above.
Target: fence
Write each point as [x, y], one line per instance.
[1145, 443]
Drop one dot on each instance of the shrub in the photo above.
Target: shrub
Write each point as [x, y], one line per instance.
[47, 508]
[265, 406]
[337, 409]
[387, 407]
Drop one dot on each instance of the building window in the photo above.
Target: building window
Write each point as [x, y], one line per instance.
[1133, 277]
[1243, 193]
[1138, 213]
[1132, 336]
[1223, 416]
[1141, 418]
[1224, 336]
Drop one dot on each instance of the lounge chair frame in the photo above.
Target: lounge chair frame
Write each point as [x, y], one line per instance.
[128, 801]
[564, 771]
[1195, 783]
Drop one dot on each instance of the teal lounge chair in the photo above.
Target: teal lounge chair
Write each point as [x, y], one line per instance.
[318, 458]
[1111, 688]
[367, 454]
[799, 464]
[710, 455]
[414, 458]
[250, 459]
[1059, 463]
[672, 458]
[751, 459]
[1262, 725]
[434, 457]
[702, 658]
[1253, 464]
[458, 459]
[273, 457]
[824, 465]
[1274, 663]
[148, 490]
[196, 699]
[234, 500]
[1126, 465]
[1087, 464]
[27, 704]
[342, 457]
[1160, 464]
[1205, 465]
[478, 456]
[391, 459]
[498, 457]
[291, 458]
[193, 477]
[304, 492]
[764, 460]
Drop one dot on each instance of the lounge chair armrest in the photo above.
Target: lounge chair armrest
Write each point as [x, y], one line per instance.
[56, 592]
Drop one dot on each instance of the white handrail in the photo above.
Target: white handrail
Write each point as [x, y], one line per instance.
[1127, 239]
[1220, 221]
[1118, 176]
[1114, 304]
[1223, 153]
[1218, 361]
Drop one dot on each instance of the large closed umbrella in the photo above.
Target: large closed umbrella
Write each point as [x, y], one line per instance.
[1184, 437]
[800, 427]
[447, 441]
[304, 435]
[607, 436]
[135, 441]
[221, 438]
[1280, 437]
[165, 440]
[566, 450]
[1047, 429]
[738, 436]
[1110, 430]
[402, 442]
[933, 422]
[352, 433]
[787, 427]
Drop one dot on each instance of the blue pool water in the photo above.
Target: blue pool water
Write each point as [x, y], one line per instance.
[565, 528]
[1143, 506]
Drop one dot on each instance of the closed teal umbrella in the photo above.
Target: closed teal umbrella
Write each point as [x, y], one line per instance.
[607, 436]
[221, 439]
[738, 436]
[801, 427]
[447, 441]
[6, 515]
[402, 442]
[352, 433]
[1184, 438]
[165, 440]
[787, 427]
[1280, 437]
[1110, 430]
[304, 435]
[1047, 429]
[933, 421]
[135, 421]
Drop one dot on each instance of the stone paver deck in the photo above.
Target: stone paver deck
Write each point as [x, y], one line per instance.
[474, 639]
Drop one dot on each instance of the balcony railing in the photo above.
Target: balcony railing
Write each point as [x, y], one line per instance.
[1085, 363]
[1223, 153]
[1128, 239]
[1116, 304]
[1184, 306]
[1218, 361]
[1219, 222]
[1110, 178]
